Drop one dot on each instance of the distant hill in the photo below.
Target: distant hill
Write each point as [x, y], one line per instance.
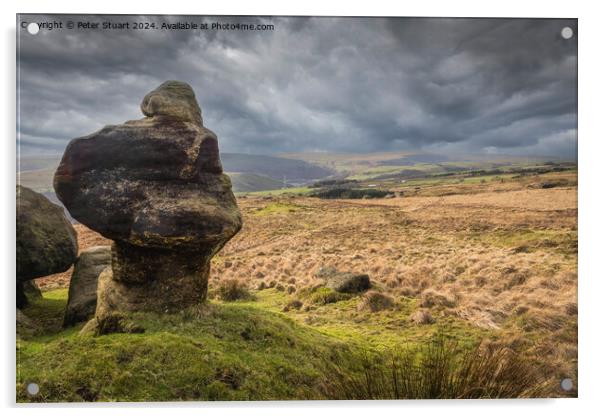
[408, 164]
[275, 167]
[250, 182]
[248, 172]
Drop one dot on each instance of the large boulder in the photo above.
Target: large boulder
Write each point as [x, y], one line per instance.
[81, 304]
[344, 282]
[46, 240]
[154, 186]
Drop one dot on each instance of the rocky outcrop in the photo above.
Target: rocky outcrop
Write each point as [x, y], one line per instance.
[46, 240]
[154, 186]
[81, 304]
[344, 282]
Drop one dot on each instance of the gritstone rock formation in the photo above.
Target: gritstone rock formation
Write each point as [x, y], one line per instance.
[84, 281]
[154, 186]
[46, 241]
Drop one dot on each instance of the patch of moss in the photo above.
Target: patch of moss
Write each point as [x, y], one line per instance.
[219, 352]
[387, 329]
[245, 350]
[324, 295]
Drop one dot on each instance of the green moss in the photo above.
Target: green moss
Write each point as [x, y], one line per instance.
[324, 295]
[220, 352]
[246, 350]
[343, 321]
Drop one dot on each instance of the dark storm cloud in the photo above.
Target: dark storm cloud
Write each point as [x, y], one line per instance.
[315, 84]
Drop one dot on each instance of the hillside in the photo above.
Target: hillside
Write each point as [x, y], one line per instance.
[278, 168]
[250, 182]
[485, 260]
[409, 165]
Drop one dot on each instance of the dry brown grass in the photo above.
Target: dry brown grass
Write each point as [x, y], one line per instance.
[500, 256]
[439, 370]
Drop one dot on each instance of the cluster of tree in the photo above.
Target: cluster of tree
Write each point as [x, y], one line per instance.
[333, 182]
[350, 193]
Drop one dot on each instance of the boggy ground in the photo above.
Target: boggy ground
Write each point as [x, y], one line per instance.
[492, 259]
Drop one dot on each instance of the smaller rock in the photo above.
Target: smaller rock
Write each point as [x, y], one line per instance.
[344, 282]
[31, 290]
[422, 317]
[25, 326]
[84, 282]
[46, 240]
[26, 291]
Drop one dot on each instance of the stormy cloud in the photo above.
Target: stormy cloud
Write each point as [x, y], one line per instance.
[502, 86]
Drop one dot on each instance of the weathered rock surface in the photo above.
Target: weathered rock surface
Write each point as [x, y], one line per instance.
[156, 187]
[81, 304]
[46, 240]
[344, 282]
[31, 290]
[25, 326]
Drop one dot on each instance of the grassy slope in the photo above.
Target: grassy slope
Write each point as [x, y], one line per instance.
[227, 351]
[253, 350]
[248, 182]
[224, 352]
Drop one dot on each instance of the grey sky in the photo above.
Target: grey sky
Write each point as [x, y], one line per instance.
[504, 86]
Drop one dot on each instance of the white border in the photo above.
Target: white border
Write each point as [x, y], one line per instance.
[590, 180]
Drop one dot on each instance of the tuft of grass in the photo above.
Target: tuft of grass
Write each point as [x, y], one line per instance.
[324, 296]
[375, 301]
[438, 370]
[230, 290]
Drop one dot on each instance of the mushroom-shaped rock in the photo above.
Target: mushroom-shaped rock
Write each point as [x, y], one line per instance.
[46, 240]
[154, 186]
